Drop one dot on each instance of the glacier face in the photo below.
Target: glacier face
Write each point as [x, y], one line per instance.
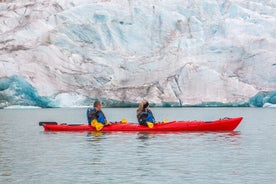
[61, 53]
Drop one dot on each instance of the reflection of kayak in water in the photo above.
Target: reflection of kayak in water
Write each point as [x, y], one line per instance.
[226, 124]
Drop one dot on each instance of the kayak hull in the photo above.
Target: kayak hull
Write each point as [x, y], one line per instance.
[217, 125]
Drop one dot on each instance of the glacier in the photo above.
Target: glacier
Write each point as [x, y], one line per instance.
[177, 53]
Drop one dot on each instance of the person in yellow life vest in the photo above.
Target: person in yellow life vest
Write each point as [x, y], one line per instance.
[144, 115]
[96, 117]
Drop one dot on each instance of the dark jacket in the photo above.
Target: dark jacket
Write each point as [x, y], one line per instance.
[92, 114]
[145, 116]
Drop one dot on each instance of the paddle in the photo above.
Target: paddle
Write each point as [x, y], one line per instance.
[124, 121]
[55, 123]
[150, 125]
[47, 123]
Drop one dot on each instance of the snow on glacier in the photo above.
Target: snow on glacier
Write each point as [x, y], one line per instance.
[179, 52]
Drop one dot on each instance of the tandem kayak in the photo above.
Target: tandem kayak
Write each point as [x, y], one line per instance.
[226, 124]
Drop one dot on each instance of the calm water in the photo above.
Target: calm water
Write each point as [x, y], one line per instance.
[247, 155]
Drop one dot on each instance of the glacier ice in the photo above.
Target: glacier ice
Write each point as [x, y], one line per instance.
[182, 53]
[263, 99]
[15, 90]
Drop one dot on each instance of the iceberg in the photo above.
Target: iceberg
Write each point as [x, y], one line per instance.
[263, 99]
[182, 53]
[21, 107]
[269, 105]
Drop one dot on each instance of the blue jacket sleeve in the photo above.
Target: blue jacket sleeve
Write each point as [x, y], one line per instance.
[150, 117]
[101, 118]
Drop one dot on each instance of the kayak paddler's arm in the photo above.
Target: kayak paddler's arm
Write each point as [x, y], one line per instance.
[107, 123]
[101, 118]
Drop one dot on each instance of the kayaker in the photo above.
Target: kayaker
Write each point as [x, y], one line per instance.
[144, 115]
[96, 117]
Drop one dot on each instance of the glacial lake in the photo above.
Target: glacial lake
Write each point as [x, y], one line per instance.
[30, 155]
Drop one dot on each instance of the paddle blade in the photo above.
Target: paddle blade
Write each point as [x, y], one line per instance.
[124, 120]
[94, 122]
[47, 123]
[99, 126]
[150, 125]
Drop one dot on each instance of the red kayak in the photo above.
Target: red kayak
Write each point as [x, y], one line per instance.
[226, 124]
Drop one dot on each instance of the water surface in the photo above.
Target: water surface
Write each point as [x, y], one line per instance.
[29, 155]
